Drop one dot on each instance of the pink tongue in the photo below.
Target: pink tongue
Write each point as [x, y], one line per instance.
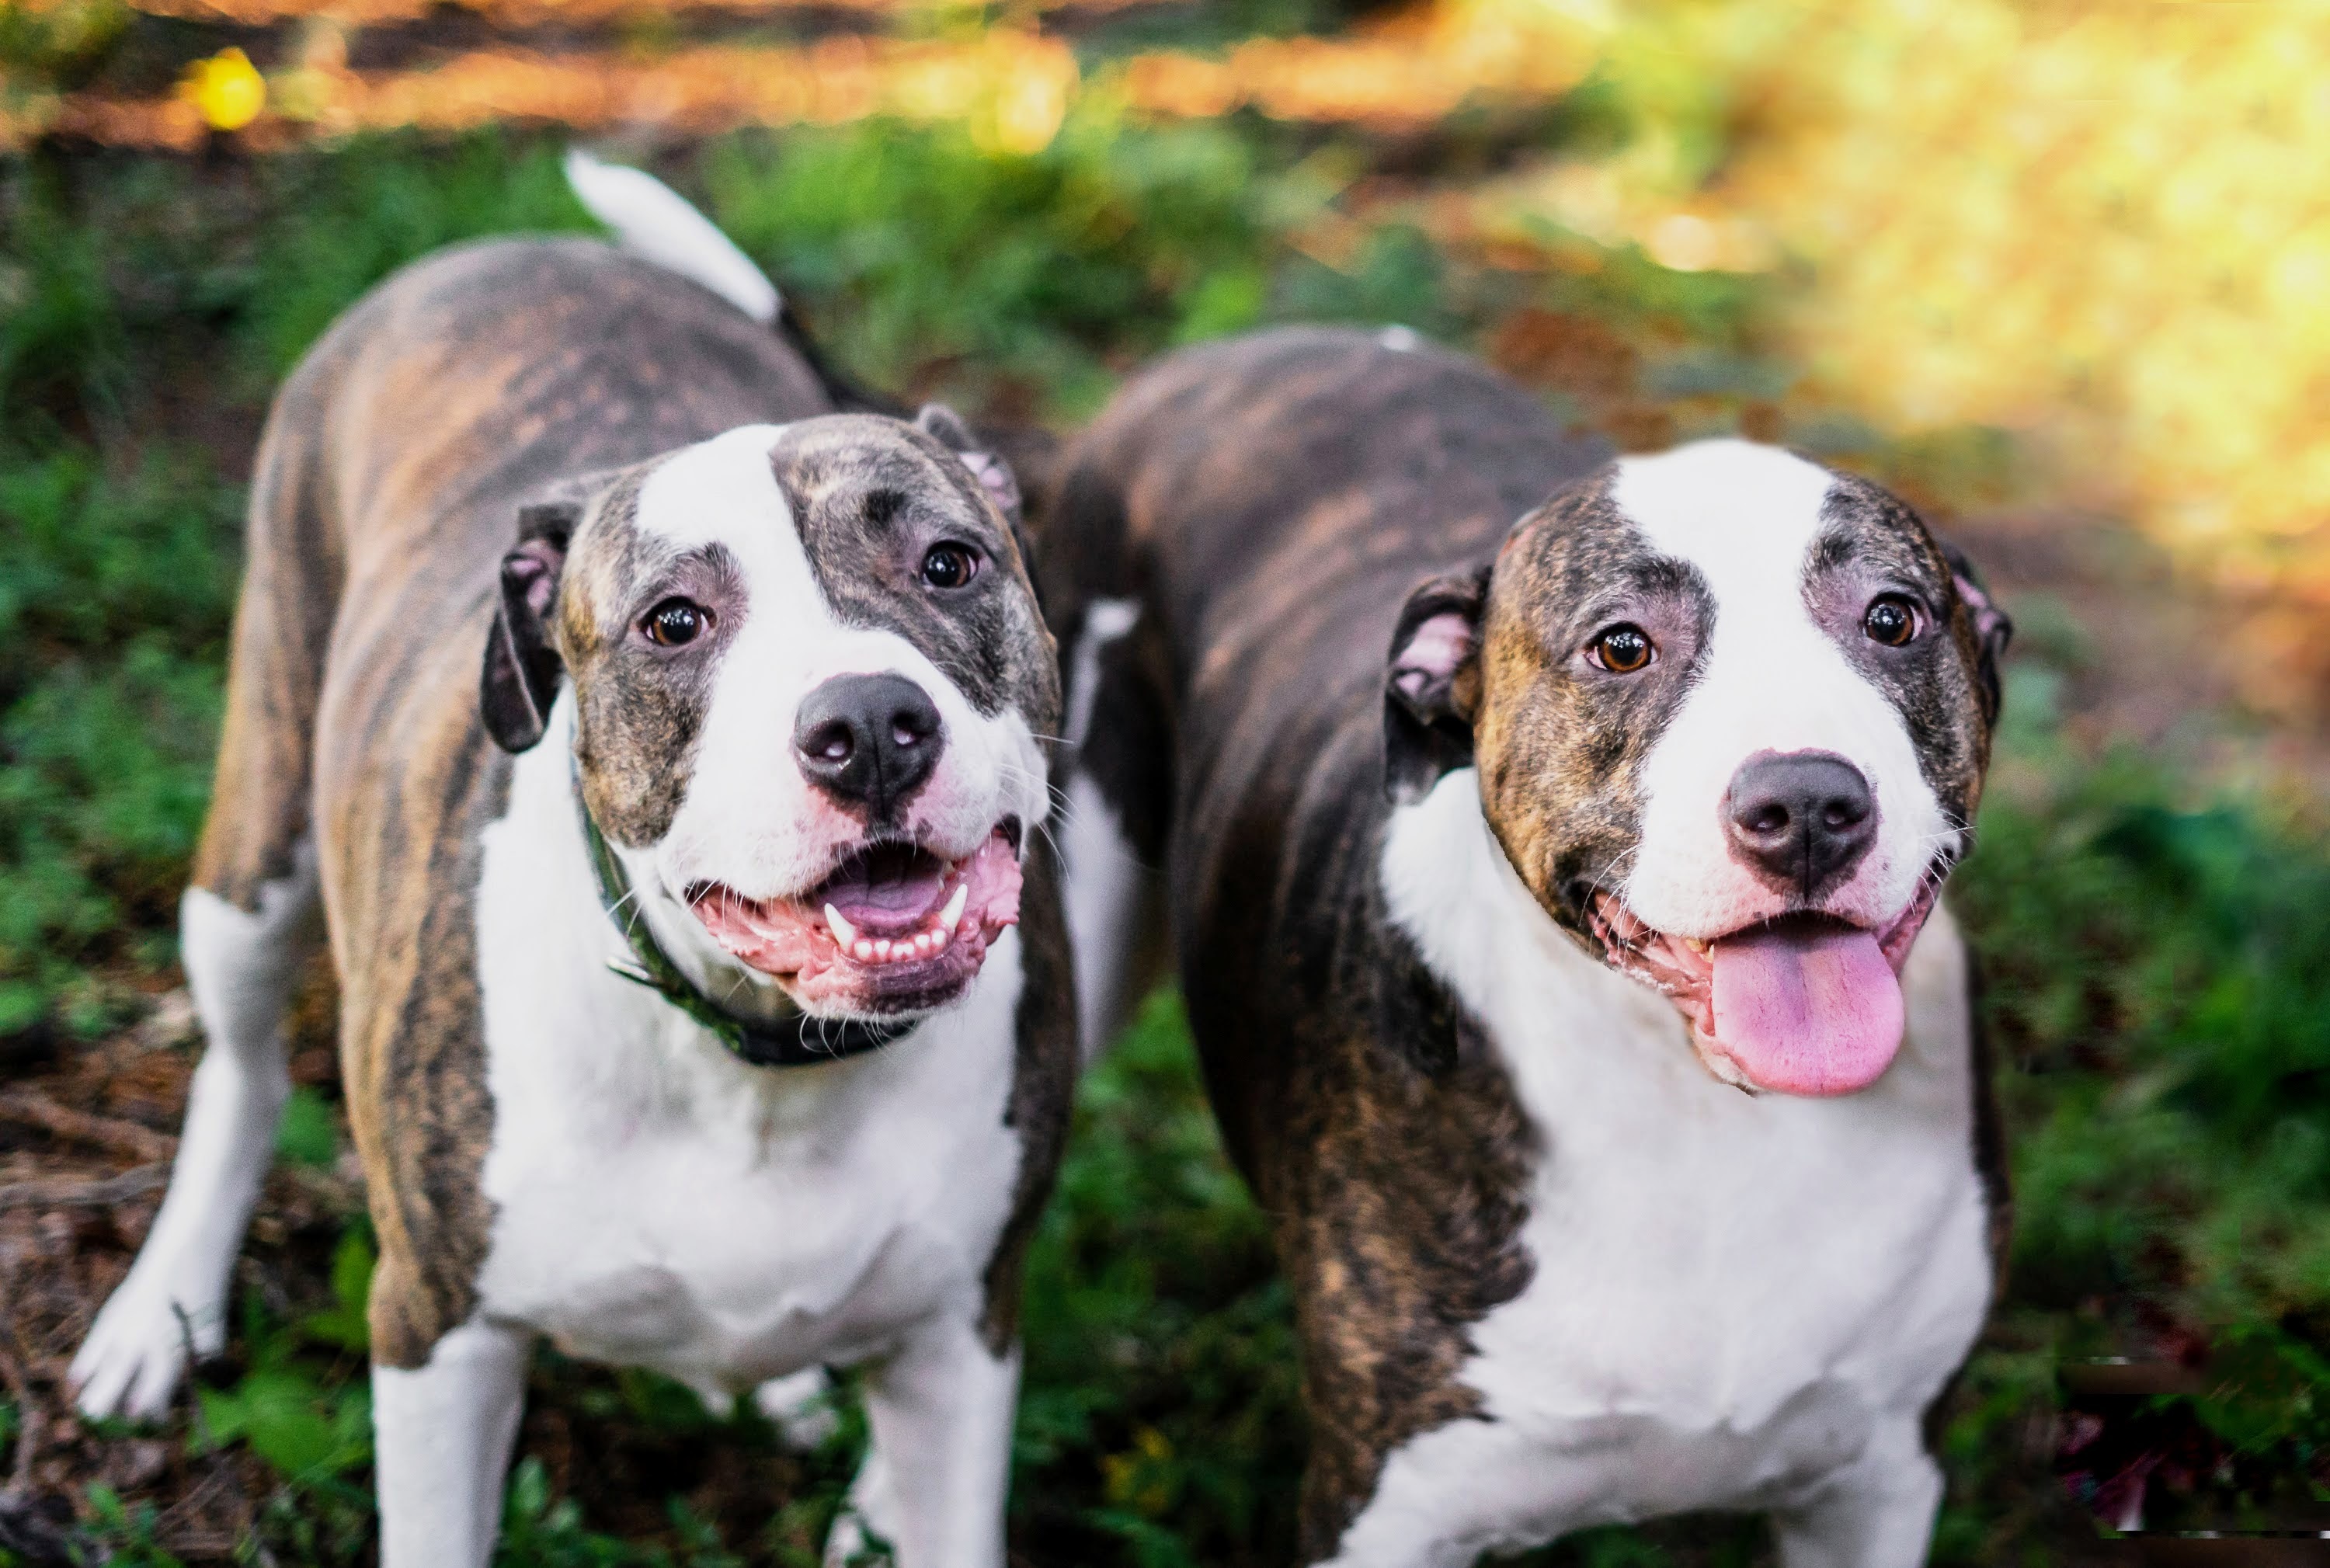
[1806, 1009]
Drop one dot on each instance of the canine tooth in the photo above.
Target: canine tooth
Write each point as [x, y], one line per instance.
[1695, 944]
[954, 906]
[863, 950]
[843, 931]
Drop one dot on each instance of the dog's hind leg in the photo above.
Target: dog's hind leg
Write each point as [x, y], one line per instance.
[1115, 902]
[1878, 1513]
[933, 1482]
[240, 966]
[442, 1438]
[246, 927]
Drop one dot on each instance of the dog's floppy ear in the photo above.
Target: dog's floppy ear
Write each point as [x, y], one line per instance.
[1992, 630]
[987, 466]
[1431, 685]
[520, 679]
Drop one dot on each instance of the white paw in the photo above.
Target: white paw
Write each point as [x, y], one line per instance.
[801, 1406]
[851, 1545]
[137, 1348]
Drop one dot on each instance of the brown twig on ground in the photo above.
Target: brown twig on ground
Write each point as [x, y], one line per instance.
[28, 1414]
[32, 1108]
[83, 1194]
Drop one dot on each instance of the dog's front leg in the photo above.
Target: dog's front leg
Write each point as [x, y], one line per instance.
[441, 1436]
[939, 1462]
[1876, 1513]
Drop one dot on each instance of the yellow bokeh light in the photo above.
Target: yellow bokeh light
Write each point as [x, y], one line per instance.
[226, 89]
[2102, 224]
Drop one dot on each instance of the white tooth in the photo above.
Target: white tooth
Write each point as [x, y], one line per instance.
[940, 937]
[953, 910]
[922, 944]
[843, 931]
[863, 949]
[881, 948]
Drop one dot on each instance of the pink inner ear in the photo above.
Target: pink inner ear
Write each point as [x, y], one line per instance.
[533, 566]
[1985, 614]
[1001, 485]
[1437, 645]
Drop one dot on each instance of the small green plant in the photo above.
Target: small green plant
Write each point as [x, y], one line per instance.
[307, 1418]
[127, 1533]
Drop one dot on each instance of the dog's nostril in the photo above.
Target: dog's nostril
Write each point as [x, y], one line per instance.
[1772, 818]
[828, 742]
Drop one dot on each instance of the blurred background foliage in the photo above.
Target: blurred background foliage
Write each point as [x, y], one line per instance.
[2049, 268]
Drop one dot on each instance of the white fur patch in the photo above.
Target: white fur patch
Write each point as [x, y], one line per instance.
[1739, 1302]
[240, 967]
[750, 819]
[1104, 880]
[1772, 679]
[443, 1434]
[654, 220]
[658, 1203]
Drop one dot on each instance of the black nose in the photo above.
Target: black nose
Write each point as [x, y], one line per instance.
[1801, 820]
[868, 741]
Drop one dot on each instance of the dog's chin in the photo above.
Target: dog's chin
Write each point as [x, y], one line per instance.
[1803, 1004]
[894, 931]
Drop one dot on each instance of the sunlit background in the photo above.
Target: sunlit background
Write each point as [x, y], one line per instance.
[2101, 229]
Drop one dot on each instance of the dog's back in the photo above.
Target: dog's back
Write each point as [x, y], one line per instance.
[393, 460]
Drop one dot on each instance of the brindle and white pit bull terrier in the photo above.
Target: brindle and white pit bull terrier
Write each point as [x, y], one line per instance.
[1550, 899]
[684, 1016]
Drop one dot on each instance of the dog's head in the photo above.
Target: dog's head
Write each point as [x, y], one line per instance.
[1731, 713]
[809, 683]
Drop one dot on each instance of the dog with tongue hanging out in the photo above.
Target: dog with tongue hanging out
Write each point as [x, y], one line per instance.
[1551, 846]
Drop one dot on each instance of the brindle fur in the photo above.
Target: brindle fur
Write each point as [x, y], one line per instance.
[868, 512]
[1047, 1053]
[1560, 748]
[1273, 502]
[388, 487]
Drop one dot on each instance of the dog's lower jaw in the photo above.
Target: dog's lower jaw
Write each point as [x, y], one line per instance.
[883, 964]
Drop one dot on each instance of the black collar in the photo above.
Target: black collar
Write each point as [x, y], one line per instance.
[796, 1041]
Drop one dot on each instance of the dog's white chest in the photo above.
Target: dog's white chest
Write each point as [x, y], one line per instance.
[1733, 1297]
[1731, 1294]
[660, 1204]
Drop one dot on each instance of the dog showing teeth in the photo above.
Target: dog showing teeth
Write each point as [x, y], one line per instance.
[704, 1005]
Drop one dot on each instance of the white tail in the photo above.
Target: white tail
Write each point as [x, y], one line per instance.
[653, 220]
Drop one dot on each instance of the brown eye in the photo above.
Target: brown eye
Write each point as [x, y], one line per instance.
[1891, 619]
[1622, 649]
[949, 565]
[675, 621]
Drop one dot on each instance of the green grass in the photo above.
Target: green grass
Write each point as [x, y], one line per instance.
[2158, 959]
